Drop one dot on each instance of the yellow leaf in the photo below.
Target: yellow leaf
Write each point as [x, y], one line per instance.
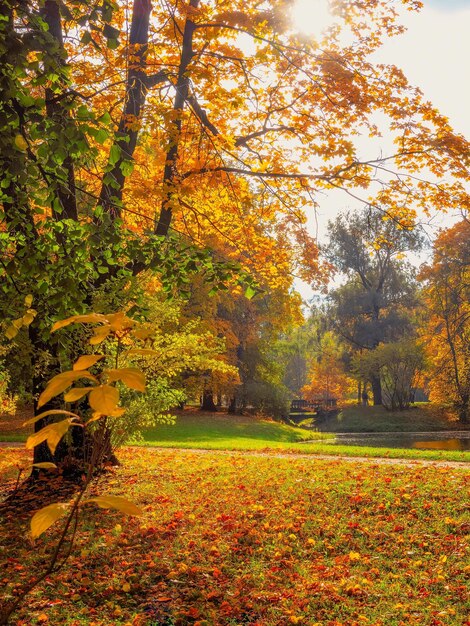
[118, 503]
[52, 433]
[100, 334]
[28, 317]
[76, 393]
[95, 417]
[104, 399]
[46, 413]
[91, 318]
[126, 587]
[45, 465]
[28, 301]
[86, 361]
[120, 321]
[118, 411]
[18, 323]
[60, 382]
[20, 143]
[130, 376]
[45, 517]
[11, 332]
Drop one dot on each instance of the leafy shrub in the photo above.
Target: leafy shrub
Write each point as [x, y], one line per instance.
[147, 410]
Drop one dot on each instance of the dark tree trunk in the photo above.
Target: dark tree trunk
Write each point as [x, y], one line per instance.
[137, 85]
[232, 407]
[376, 390]
[208, 401]
[464, 410]
[170, 174]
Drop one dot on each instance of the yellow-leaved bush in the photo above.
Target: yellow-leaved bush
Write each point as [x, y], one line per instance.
[103, 400]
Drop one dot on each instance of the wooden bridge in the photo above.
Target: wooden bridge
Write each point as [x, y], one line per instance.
[305, 406]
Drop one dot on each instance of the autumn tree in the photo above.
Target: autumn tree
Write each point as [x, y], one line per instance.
[447, 336]
[327, 379]
[400, 366]
[252, 330]
[373, 306]
[297, 347]
[123, 121]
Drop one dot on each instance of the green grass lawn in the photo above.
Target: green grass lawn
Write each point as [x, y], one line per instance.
[421, 417]
[218, 431]
[233, 432]
[235, 539]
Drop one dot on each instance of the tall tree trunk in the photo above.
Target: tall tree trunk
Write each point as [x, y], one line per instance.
[232, 407]
[170, 173]
[376, 390]
[137, 85]
[208, 403]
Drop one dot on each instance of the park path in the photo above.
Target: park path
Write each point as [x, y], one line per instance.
[313, 457]
[293, 455]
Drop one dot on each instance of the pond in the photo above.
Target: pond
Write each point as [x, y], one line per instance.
[442, 440]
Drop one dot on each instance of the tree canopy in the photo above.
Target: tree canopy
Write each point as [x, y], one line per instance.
[195, 136]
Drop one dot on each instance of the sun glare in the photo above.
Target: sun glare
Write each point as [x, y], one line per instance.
[311, 17]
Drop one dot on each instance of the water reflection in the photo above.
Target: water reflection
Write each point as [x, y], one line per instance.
[443, 444]
[455, 440]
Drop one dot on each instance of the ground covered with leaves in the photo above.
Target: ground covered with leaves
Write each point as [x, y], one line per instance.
[236, 539]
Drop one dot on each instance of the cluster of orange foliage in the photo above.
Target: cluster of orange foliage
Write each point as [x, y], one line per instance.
[243, 122]
[328, 379]
[447, 336]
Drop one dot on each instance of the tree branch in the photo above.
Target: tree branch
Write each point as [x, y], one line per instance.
[136, 91]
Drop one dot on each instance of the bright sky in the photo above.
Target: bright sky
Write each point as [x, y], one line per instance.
[434, 54]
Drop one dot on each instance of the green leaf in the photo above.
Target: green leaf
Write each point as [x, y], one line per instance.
[86, 38]
[250, 292]
[110, 32]
[101, 136]
[127, 167]
[105, 119]
[114, 154]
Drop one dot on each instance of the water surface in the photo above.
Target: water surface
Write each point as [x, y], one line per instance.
[442, 440]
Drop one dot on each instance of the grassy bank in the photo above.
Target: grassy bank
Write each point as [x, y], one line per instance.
[234, 539]
[421, 417]
[217, 431]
